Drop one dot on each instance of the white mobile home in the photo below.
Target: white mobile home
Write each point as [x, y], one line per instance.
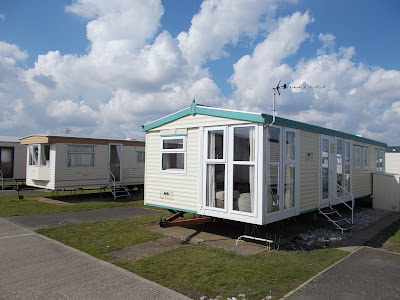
[236, 165]
[12, 161]
[392, 160]
[63, 162]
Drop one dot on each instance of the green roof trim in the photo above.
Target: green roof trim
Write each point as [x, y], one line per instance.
[259, 118]
[173, 208]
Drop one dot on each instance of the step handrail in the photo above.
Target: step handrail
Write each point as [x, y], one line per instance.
[111, 178]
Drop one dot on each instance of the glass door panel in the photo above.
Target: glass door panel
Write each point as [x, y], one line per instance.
[215, 185]
[115, 161]
[289, 188]
[273, 188]
[325, 165]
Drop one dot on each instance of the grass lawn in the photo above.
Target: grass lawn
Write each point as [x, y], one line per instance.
[389, 238]
[100, 238]
[197, 270]
[10, 205]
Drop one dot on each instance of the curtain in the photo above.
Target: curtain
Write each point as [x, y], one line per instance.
[252, 142]
[33, 154]
[80, 156]
[211, 170]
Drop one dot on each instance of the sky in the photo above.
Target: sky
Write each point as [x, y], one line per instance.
[103, 68]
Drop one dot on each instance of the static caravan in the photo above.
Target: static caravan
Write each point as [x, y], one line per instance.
[68, 163]
[237, 165]
[392, 160]
[12, 162]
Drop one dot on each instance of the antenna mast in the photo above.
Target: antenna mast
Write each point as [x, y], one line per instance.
[285, 86]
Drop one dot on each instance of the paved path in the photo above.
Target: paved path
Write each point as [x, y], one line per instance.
[368, 273]
[76, 217]
[35, 267]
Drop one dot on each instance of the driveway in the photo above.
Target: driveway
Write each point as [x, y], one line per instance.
[35, 267]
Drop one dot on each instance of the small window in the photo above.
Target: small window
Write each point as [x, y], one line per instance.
[140, 156]
[357, 157]
[173, 154]
[80, 156]
[379, 160]
[33, 155]
[365, 158]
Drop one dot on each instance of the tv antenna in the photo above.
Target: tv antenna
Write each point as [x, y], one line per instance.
[285, 86]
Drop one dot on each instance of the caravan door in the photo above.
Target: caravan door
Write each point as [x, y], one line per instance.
[7, 162]
[115, 162]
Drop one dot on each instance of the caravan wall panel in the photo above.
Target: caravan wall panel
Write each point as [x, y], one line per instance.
[132, 171]
[182, 189]
[76, 177]
[362, 178]
[309, 170]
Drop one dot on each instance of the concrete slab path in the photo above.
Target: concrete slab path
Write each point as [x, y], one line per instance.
[35, 267]
[76, 217]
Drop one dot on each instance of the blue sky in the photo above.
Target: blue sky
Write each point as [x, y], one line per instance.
[107, 68]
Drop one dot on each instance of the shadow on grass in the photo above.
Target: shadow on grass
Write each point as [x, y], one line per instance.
[388, 239]
[81, 196]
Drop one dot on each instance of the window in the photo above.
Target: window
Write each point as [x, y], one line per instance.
[45, 155]
[173, 154]
[33, 155]
[365, 158]
[244, 144]
[80, 156]
[140, 156]
[379, 160]
[357, 157]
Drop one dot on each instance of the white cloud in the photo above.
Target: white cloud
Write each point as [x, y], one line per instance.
[11, 51]
[222, 22]
[255, 75]
[134, 73]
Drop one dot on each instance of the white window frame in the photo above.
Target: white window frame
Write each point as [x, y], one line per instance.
[365, 157]
[380, 155]
[232, 162]
[357, 158]
[213, 161]
[92, 152]
[183, 150]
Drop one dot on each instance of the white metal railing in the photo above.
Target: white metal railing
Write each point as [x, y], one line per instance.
[111, 179]
[341, 199]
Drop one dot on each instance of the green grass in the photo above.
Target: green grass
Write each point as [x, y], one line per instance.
[198, 270]
[10, 205]
[389, 238]
[100, 238]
